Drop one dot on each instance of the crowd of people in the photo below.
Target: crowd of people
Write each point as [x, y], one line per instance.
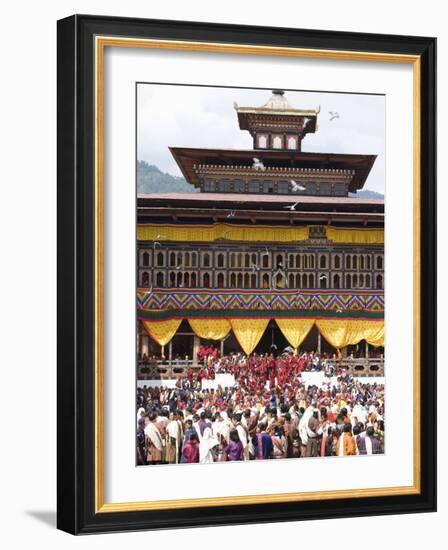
[268, 413]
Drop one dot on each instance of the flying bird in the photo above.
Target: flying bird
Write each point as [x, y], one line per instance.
[333, 115]
[255, 267]
[231, 214]
[155, 243]
[292, 206]
[295, 186]
[160, 237]
[258, 164]
[322, 277]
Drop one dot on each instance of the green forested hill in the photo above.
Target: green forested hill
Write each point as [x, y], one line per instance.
[151, 180]
[367, 194]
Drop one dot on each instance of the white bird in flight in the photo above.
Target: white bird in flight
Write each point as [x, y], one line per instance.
[292, 206]
[333, 115]
[231, 214]
[295, 186]
[322, 277]
[258, 164]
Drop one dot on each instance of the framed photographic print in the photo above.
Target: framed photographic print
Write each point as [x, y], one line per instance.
[246, 274]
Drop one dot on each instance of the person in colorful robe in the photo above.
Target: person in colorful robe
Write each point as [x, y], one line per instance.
[154, 441]
[262, 443]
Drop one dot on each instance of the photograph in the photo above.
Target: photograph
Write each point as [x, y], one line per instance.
[260, 274]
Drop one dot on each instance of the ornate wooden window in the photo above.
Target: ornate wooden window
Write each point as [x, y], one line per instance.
[145, 279]
[277, 142]
[238, 186]
[266, 281]
[292, 142]
[379, 281]
[246, 280]
[145, 259]
[262, 141]
[336, 281]
[322, 281]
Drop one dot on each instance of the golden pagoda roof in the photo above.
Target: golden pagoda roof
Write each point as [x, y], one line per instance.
[277, 104]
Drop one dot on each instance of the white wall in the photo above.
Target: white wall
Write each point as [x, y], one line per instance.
[27, 348]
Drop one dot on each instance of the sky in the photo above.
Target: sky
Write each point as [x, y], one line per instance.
[195, 116]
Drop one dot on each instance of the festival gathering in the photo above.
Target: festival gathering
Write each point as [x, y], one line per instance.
[269, 413]
[259, 278]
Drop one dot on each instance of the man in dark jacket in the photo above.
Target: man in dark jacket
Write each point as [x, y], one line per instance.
[369, 444]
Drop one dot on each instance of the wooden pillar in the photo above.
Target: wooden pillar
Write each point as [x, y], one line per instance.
[170, 352]
[145, 344]
[319, 342]
[367, 350]
[222, 347]
[196, 344]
